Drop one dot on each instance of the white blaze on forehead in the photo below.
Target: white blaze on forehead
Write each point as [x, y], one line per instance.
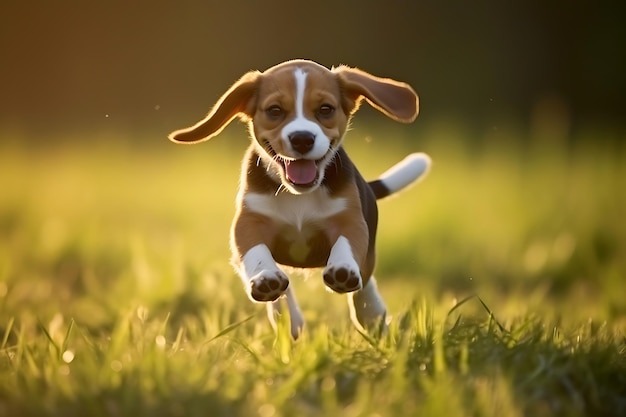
[301, 123]
[300, 87]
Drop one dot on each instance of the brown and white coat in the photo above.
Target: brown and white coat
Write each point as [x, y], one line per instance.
[301, 201]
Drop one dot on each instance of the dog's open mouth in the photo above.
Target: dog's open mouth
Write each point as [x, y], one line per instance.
[300, 171]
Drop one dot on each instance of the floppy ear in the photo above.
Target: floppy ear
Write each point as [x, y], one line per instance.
[235, 102]
[395, 99]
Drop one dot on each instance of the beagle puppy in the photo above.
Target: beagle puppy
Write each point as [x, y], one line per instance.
[301, 201]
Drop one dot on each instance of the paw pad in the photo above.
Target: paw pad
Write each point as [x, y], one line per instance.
[342, 279]
[268, 286]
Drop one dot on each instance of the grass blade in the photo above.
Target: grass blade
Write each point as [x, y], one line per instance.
[7, 332]
[491, 316]
[67, 336]
[460, 303]
[229, 328]
[50, 339]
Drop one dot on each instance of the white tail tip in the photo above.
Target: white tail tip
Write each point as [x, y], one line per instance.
[405, 172]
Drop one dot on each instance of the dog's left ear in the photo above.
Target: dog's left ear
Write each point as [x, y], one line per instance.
[395, 99]
[235, 102]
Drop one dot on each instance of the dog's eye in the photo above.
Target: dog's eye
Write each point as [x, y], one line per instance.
[325, 110]
[274, 112]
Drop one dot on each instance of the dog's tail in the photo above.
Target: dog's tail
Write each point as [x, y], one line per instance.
[402, 174]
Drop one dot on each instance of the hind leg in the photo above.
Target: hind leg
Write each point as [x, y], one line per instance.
[367, 308]
[295, 314]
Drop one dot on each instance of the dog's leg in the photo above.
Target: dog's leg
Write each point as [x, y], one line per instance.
[261, 276]
[295, 314]
[367, 308]
[342, 270]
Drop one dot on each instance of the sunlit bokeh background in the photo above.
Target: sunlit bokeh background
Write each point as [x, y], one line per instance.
[149, 66]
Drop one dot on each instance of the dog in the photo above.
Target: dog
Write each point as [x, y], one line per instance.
[302, 202]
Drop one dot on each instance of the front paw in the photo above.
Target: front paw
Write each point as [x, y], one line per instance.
[342, 278]
[268, 285]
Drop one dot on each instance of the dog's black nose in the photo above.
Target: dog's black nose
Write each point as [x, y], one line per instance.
[302, 141]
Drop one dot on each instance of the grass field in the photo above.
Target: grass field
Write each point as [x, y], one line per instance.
[504, 273]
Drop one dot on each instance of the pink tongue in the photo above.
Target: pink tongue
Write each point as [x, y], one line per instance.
[301, 171]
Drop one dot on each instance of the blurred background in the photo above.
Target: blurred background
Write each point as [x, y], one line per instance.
[146, 67]
[522, 110]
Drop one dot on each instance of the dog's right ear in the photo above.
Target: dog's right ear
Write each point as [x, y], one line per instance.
[237, 101]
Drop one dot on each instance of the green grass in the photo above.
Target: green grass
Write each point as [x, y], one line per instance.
[503, 273]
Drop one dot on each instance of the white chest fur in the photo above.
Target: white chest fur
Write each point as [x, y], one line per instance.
[295, 210]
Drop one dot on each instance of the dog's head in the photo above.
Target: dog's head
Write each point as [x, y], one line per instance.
[298, 113]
